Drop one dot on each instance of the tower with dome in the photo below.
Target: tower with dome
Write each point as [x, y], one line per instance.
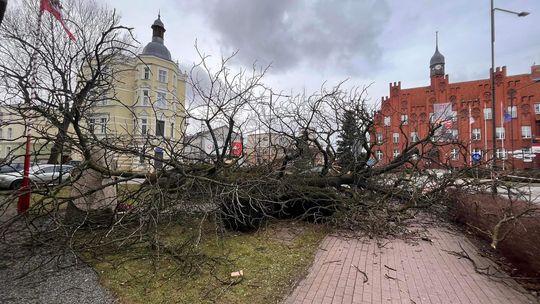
[148, 108]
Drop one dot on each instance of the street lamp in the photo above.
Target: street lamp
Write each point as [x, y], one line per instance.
[493, 104]
[3, 5]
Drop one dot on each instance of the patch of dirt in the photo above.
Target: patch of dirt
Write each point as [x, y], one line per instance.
[287, 234]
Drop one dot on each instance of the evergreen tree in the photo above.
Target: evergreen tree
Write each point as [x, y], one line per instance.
[348, 142]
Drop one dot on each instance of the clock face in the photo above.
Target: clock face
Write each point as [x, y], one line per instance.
[438, 67]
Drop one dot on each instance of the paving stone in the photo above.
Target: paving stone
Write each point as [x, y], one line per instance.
[404, 271]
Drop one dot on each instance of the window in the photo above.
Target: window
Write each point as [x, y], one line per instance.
[144, 126]
[487, 113]
[160, 128]
[10, 133]
[146, 97]
[161, 100]
[526, 132]
[527, 155]
[500, 133]
[162, 76]
[502, 154]
[512, 111]
[387, 121]
[454, 154]
[537, 108]
[405, 119]
[8, 151]
[414, 137]
[50, 169]
[91, 125]
[378, 136]
[103, 125]
[396, 153]
[454, 134]
[379, 154]
[146, 73]
[103, 102]
[1, 134]
[172, 129]
[476, 134]
[395, 138]
[431, 117]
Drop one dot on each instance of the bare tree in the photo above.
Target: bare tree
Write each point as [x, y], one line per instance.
[202, 173]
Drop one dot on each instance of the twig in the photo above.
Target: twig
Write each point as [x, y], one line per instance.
[329, 262]
[424, 238]
[382, 245]
[465, 255]
[388, 267]
[365, 275]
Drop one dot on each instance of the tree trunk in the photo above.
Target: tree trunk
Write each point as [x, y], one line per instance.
[58, 144]
[94, 203]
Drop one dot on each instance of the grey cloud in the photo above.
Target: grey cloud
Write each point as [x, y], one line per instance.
[336, 34]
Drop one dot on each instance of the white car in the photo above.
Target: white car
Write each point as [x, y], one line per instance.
[38, 174]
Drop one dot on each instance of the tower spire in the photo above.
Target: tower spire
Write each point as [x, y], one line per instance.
[436, 64]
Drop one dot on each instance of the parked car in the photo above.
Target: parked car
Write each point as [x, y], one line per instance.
[6, 168]
[39, 175]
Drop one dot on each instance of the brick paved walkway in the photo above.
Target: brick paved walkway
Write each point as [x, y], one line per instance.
[398, 271]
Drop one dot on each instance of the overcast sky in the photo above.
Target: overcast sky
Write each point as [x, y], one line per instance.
[309, 42]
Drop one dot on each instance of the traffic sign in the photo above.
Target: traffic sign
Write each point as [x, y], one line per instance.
[476, 157]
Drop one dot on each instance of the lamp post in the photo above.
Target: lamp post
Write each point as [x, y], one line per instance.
[493, 99]
[3, 5]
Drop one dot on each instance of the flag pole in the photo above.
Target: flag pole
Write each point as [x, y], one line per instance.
[486, 137]
[503, 137]
[24, 200]
[470, 135]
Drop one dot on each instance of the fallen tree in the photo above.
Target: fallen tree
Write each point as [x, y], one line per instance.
[295, 173]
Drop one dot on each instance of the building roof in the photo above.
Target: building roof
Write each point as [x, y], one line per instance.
[437, 58]
[156, 47]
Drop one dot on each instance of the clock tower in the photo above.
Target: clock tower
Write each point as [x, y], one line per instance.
[436, 64]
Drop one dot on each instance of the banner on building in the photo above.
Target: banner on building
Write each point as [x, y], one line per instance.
[442, 119]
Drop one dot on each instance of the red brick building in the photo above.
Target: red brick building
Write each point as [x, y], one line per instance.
[463, 112]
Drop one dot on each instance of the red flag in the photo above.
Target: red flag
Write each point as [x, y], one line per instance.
[55, 8]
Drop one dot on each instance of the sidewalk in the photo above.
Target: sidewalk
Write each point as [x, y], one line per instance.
[404, 271]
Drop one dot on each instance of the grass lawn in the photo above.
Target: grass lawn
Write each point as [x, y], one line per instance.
[272, 260]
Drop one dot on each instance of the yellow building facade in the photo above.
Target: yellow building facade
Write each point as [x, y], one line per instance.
[147, 112]
[144, 114]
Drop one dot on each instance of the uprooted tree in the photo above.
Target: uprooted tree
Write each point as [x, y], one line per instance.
[286, 165]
